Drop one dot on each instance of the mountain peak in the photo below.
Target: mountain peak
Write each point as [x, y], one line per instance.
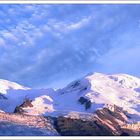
[125, 80]
[6, 85]
[87, 94]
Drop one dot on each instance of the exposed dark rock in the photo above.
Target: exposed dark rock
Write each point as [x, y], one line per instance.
[85, 101]
[19, 110]
[87, 105]
[76, 84]
[82, 100]
[108, 121]
[78, 127]
[131, 129]
[26, 103]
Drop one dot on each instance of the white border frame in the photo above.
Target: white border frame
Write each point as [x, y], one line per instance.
[70, 137]
[69, 2]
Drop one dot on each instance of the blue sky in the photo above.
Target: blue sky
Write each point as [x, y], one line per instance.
[50, 45]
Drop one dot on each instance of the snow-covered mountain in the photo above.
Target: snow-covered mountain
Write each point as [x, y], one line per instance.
[84, 95]
[111, 103]
[101, 90]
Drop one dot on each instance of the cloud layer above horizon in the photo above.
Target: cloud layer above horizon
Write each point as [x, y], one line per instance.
[50, 45]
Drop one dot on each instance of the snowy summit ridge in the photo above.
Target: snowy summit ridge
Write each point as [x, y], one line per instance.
[6, 85]
[84, 95]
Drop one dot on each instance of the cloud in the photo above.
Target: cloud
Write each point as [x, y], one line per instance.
[124, 56]
[123, 61]
[77, 25]
[47, 45]
[2, 42]
[9, 36]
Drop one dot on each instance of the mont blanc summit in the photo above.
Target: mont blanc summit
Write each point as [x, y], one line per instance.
[98, 96]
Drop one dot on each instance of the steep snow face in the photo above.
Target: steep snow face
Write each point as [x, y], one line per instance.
[118, 89]
[7, 85]
[100, 89]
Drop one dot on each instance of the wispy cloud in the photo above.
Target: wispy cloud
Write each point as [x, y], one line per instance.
[2, 42]
[42, 43]
[79, 24]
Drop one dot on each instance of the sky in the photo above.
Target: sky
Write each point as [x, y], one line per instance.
[52, 45]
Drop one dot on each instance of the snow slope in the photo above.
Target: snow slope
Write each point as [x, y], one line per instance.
[6, 85]
[100, 89]
[13, 94]
[119, 89]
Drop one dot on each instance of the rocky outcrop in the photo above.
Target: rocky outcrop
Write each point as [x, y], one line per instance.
[19, 110]
[85, 102]
[27, 103]
[79, 127]
[105, 122]
[131, 129]
[113, 118]
[108, 121]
